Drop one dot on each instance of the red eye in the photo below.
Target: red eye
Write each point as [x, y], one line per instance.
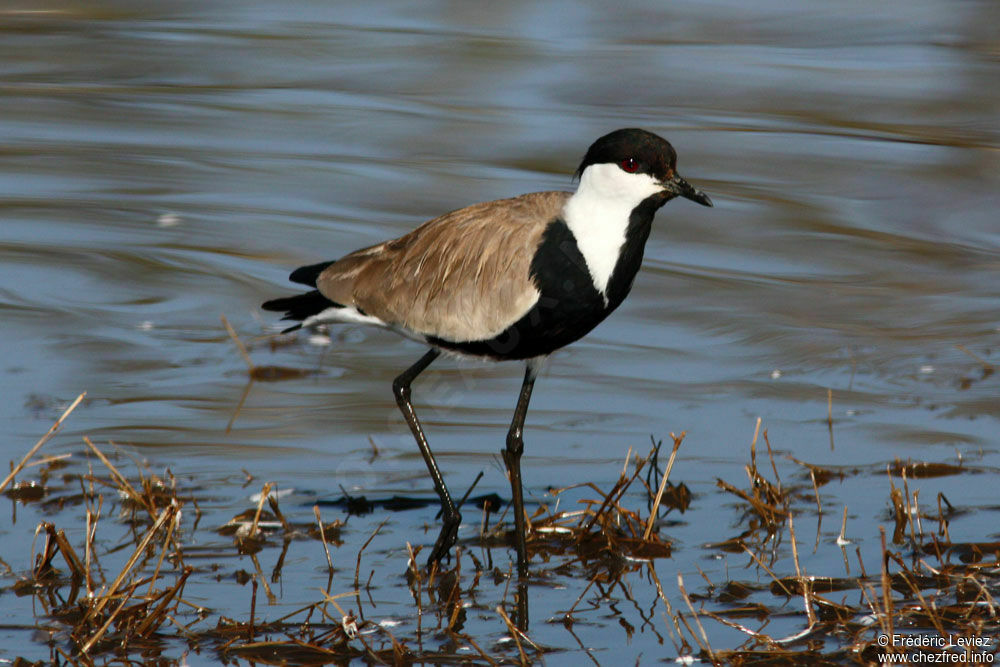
[629, 164]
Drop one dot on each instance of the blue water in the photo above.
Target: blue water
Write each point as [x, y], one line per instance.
[162, 166]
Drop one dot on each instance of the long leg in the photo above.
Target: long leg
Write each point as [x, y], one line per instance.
[512, 458]
[450, 517]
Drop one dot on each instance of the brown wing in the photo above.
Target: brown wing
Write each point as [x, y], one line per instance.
[462, 277]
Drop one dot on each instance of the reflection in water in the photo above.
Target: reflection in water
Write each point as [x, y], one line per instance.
[163, 165]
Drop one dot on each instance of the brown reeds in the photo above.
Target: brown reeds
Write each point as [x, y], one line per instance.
[104, 603]
[41, 441]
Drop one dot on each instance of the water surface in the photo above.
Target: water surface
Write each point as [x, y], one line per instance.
[163, 165]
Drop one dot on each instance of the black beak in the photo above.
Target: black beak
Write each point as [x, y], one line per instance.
[679, 187]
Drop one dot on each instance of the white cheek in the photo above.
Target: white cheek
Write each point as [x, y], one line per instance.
[611, 182]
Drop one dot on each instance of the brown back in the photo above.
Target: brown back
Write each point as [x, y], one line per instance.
[463, 276]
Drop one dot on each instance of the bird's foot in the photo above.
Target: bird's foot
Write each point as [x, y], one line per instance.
[446, 539]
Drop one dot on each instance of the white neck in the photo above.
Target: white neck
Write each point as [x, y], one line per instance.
[598, 215]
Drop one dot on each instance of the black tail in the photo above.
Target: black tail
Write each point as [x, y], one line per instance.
[300, 306]
[307, 275]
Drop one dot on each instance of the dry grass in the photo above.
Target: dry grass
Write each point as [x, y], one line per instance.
[611, 540]
[917, 590]
[102, 614]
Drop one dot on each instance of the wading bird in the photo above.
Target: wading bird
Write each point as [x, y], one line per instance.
[512, 279]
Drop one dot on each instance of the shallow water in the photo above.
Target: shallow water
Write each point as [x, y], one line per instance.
[160, 167]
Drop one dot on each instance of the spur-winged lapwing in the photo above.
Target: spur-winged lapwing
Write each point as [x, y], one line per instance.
[509, 279]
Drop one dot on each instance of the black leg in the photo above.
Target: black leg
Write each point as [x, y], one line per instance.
[521, 610]
[450, 517]
[512, 457]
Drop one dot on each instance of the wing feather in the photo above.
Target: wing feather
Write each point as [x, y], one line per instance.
[462, 277]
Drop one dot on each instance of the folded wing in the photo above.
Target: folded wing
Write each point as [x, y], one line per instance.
[464, 276]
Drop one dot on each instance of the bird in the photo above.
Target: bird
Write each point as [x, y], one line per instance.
[506, 280]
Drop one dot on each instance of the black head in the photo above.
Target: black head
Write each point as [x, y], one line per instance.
[649, 153]
[637, 151]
